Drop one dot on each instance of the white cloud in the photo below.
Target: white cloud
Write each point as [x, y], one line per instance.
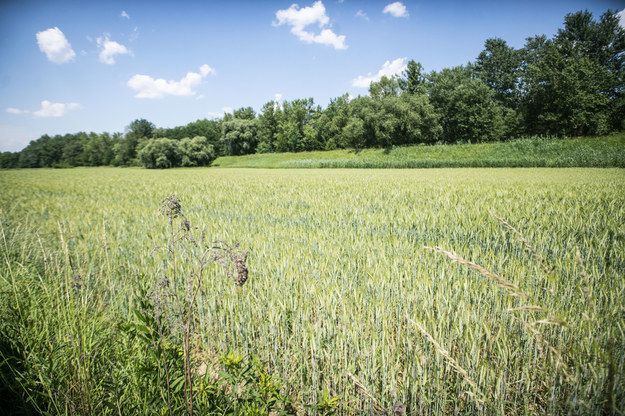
[148, 87]
[278, 97]
[109, 48]
[49, 109]
[11, 110]
[124, 14]
[396, 9]
[388, 69]
[621, 16]
[220, 114]
[135, 35]
[299, 18]
[54, 44]
[206, 70]
[362, 15]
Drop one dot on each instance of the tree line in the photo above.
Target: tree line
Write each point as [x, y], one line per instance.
[570, 85]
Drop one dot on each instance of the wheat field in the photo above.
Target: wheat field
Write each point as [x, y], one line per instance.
[429, 292]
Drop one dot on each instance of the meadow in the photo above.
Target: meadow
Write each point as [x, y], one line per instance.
[591, 152]
[424, 292]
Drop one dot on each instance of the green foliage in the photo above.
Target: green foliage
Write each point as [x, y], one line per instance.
[239, 137]
[161, 154]
[384, 88]
[245, 113]
[246, 388]
[413, 81]
[469, 112]
[295, 131]
[141, 129]
[268, 127]
[9, 160]
[524, 152]
[196, 151]
[571, 80]
[499, 66]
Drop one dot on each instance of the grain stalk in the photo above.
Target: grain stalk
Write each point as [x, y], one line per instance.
[515, 291]
[546, 268]
[477, 394]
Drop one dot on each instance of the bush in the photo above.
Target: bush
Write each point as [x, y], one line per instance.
[166, 153]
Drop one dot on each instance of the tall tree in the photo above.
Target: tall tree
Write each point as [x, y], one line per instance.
[245, 113]
[296, 131]
[239, 137]
[141, 128]
[575, 83]
[499, 65]
[385, 87]
[332, 121]
[196, 151]
[413, 81]
[268, 126]
[467, 106]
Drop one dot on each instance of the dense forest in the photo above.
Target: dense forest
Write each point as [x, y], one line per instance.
[570, 85]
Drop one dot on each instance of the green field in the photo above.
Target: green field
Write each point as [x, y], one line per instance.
[608, 151]
[343, 303]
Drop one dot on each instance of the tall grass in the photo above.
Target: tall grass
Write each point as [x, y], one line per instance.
[525, 152]
[340, 294]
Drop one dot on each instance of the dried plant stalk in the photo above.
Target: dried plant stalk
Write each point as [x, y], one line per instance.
[501, 282]
[547, 269]
[454, 364]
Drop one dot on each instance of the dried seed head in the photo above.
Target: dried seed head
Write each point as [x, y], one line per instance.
[171, 207]
[399, 409]
[240, 276]
[232, 260]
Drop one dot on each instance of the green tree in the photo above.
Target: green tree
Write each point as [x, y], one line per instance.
[98, 149]
[73, 149]
[9, 160]
[331, 122]
[413, 81]
[196, 152]
[499, 66]
[160, 154]
[296, 129]
[385, 87]
[239, 137]
[467, 106]
[268, 126]
[575, 82]
[245, 113]
[141, 128]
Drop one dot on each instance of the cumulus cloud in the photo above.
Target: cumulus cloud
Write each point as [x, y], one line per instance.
[299, 18]
[388, 69]
[11, 110]
[124, 14]
[49, 109]
[396, 9]
[148, 87]
[54, 44]
[220, 114]
[362, 15]
[109, 48]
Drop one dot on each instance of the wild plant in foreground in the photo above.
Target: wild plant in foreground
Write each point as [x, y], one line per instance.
[172, 302]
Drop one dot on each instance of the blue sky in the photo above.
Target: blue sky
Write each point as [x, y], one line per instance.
[70, 66]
